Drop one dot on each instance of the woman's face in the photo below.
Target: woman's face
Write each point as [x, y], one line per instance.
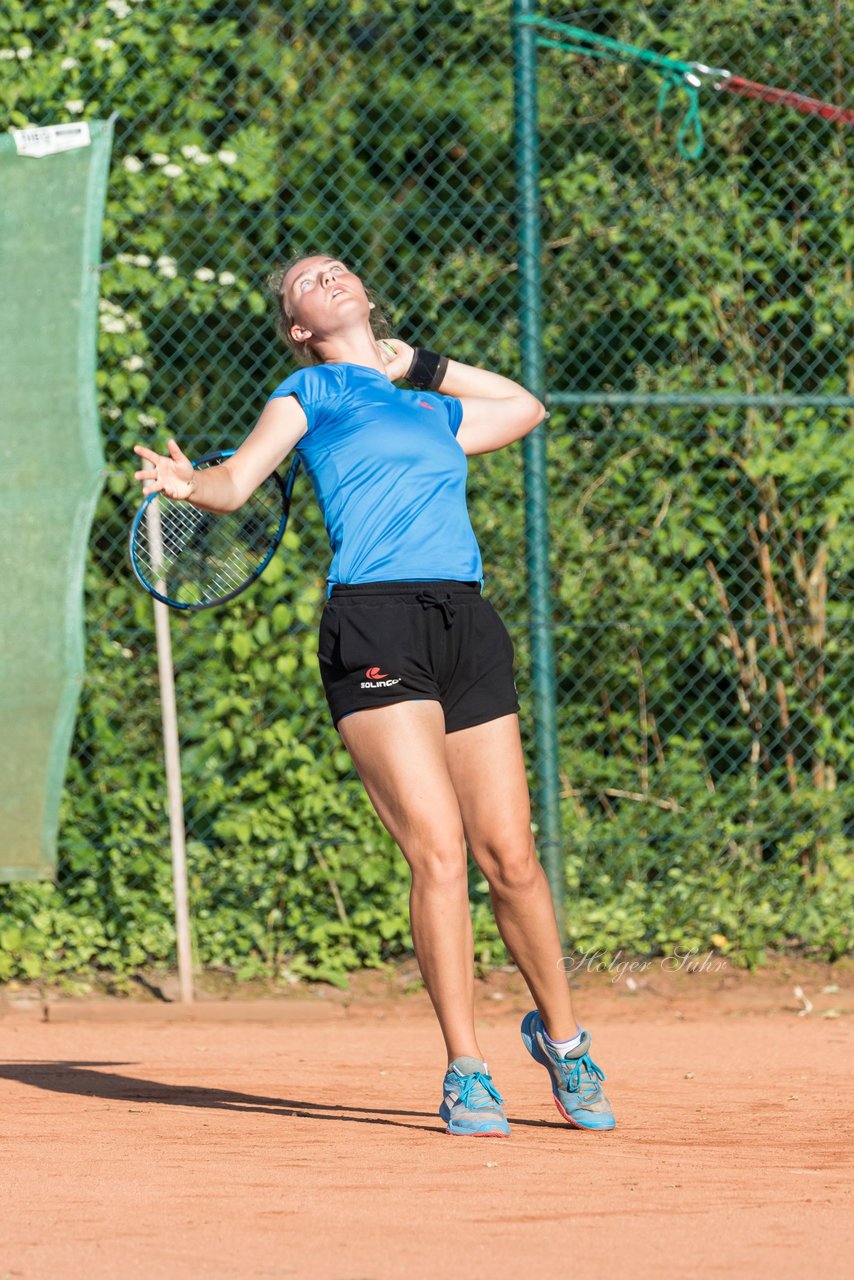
[319, 295]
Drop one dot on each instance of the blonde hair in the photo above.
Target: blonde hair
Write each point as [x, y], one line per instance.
[303, 351]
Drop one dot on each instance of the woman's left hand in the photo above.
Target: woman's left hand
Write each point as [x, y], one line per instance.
[397, 357]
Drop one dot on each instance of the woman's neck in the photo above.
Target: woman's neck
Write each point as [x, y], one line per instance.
[360, 349]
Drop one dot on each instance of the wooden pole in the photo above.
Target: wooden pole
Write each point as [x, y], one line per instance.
[169, 716]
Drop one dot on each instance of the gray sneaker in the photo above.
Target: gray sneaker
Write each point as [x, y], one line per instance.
[471, 1103]
[575, 1079]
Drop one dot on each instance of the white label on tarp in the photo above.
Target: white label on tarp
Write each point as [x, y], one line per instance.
[50, 139]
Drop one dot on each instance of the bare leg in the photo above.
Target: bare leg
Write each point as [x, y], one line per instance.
[399, 752]
[488, 773]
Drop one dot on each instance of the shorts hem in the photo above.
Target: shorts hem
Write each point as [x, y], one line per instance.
[389, 702]
[471, 722]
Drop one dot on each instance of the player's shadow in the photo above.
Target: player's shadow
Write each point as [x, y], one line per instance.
[79, 1078]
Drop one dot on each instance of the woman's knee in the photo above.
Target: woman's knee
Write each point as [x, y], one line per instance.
[438, 865]
[509, 868]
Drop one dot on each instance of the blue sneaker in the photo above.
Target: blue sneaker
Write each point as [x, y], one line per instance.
[575, 1079]
[471, 1102]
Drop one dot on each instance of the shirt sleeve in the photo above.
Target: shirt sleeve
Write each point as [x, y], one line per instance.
[316, 388]
[451, 407]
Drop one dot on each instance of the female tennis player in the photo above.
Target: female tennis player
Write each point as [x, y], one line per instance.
[416, 664]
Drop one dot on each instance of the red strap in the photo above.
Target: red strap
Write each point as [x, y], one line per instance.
[809, 106]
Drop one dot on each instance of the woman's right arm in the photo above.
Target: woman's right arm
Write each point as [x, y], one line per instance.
[226, 487]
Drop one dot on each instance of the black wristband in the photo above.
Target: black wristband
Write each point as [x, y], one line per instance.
[427, 371]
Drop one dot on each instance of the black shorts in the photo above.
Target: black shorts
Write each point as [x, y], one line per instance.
[385, 642]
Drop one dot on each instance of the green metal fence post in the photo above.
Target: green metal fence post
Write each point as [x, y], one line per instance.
[526, 145]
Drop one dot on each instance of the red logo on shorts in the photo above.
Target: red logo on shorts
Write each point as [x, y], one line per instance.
[378, 679]
[425, 405]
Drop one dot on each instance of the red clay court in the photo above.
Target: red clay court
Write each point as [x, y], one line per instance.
[298, 1137]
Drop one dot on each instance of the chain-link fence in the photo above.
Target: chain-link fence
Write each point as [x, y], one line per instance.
[698, 354]
[699, 340]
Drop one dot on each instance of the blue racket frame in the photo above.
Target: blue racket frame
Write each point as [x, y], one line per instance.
[286, 487]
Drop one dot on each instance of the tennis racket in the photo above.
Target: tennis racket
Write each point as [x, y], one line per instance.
[192, 559]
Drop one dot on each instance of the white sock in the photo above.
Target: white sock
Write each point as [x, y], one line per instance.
[564, 1047]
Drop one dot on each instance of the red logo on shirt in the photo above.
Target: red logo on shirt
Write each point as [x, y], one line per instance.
[425, 405]
[374, 673]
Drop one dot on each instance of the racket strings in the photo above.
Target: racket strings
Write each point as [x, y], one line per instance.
[195, 556]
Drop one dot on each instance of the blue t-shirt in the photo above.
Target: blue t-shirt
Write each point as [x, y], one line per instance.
[389, 475]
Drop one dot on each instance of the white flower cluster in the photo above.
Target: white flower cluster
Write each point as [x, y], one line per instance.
[104, 44]
[132, 164]
[135, 259]
[113, 319]
[206, 275]
[163, 162]
[119, 8]
[167, 267]
[194, 153]
[74, 106]
[68, 64]
[133, 364]
[146, 420]
[190, 152]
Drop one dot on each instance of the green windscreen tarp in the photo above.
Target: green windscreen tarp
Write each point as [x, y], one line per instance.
[51, 466]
